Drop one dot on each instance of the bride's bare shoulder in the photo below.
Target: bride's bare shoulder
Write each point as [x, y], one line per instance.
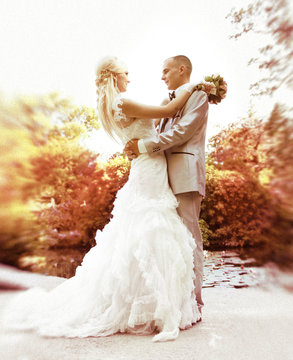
[121, 112]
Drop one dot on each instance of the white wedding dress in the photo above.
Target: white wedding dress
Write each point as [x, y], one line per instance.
[137, 279]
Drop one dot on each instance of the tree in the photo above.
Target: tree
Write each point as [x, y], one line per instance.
[55, 192]
[279, 157]
[270, 18]
[237, 207]
[236, 147]
[249, 186]
[78, 193]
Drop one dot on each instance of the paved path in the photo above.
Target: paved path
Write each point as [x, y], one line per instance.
[238, 324]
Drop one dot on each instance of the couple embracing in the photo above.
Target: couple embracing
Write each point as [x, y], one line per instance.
[144, 276]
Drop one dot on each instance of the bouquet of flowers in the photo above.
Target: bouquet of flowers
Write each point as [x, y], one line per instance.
[215, 87]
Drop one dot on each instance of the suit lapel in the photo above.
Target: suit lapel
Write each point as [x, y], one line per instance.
[163, 124]
[167, 123]
[176, 118]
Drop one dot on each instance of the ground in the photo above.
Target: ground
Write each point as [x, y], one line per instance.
[243, 324]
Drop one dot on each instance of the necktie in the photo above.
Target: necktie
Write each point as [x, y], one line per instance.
[172, 95]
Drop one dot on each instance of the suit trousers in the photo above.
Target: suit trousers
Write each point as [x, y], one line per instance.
[189, 210]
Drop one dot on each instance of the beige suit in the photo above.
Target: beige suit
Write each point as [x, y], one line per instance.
[183, 140]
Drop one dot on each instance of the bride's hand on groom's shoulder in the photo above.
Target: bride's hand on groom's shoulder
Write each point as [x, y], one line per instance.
[131, 149]
[189, 87]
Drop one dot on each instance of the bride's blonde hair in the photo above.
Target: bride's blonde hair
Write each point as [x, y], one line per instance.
[107, 92]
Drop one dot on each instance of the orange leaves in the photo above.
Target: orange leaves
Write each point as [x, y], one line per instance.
[84, 194]
[55, 193]
[249, 186]
[234, 196]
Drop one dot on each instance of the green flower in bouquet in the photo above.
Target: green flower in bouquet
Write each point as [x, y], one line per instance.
[215, 87]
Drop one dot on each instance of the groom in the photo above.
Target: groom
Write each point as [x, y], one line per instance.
[182, 138]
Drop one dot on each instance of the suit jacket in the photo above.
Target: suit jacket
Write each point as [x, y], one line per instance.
[183, 140]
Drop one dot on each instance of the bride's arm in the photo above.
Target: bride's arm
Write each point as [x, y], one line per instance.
[133, 109]
[158, 120]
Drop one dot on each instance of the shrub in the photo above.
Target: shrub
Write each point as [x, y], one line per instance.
[236, 209]
[54, 192]
[78, 195]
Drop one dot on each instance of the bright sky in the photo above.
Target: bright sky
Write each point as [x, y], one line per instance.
[55, 45]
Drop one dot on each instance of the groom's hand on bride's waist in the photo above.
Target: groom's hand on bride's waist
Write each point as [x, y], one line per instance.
[131, 149]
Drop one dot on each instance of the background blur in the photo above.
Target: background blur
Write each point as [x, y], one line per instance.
[59, 171]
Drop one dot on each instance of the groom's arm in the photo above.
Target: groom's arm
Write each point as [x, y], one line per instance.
[195, 113]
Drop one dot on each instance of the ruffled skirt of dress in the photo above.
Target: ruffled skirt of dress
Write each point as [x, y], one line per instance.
[137, 279]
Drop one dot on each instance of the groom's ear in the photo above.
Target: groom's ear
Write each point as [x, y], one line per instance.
[182, 69]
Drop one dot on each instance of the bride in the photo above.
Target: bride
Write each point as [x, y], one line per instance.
[138, 278]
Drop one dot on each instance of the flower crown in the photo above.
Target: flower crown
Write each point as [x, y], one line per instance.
[215, 87]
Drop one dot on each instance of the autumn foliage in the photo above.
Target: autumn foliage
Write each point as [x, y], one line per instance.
[236, 209]
[249, 186]
[79, 194]
[56, 194]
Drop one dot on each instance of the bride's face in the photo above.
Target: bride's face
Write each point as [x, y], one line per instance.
[122, 81]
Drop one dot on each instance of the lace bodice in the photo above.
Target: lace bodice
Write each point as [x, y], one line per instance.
[132, 128]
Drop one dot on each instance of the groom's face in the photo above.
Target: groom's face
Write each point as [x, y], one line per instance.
[171, 74]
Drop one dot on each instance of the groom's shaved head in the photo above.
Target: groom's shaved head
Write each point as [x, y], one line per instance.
[182, 60]
[176, 71]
